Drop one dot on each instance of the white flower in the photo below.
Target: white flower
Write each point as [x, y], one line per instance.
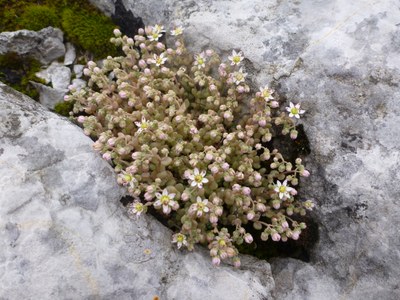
[179, 239]
[197, 178]
[236, 58]
[294, 110]
[166, 201]
[238, 76]
[127, 179]
[200, 60]
[156, 33]
[266, 93]
[158, 60]
[136, 208]
[283, 189]
[199, 207]
[142, 125]
[177, 31]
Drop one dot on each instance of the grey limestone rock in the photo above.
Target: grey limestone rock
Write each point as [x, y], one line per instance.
[58, 74]
[45, 45]
[65, 235]
[70, 54]
[49, 96]
[341, 60]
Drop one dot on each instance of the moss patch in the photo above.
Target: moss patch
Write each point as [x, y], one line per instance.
[16, 71]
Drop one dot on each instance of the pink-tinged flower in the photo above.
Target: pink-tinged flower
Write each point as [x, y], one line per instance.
[127, 179]
[81, 119]
[285, 225]
[165, 200]
[198, 178]
[276, 237]
[216, 261]
[266, 93]
[107, 156]
[158, 60]
[238, 77]
[179, 239]
[236, 57]
[199, 207]
[248, 238]
[177, 31]
[294, 110]
[136, 208]
[309, 205]
[295, 235]
[200, 60]
[305, 173]
[236, 263]
[143, 125]
[283, 189]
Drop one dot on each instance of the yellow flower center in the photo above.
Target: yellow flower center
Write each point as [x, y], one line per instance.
[239, 76]
[200, 206]
[198, 178]
[155, 35]
[180, 238]
[144, 125]
[200, 61]
[221, 243]
[282, 189]
[164, 199]
[294, 111]
[266, 94]
[139, 207]
[159, 61]
[128, 177]
[236, 59]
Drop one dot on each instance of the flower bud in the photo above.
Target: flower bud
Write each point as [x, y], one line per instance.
[117, 32]
[276, 237]
[305, 173]
[216, 261]
[248, 238]
[250, 215]
[107, 156]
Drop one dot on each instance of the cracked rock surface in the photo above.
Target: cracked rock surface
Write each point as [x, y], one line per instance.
[65, 235]
[341, 60]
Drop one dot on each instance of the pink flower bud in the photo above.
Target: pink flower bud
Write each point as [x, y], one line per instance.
[225, 166]
[261, 207]
[178, 43]
[274, 104]
[147, 71]
[305, 173]
[216, 261]
[250, 215]
[212, 87]
[246, 191]
[248, 238]
[236, 263]
[295, 235]
[81, 119]
[276, 204]
[276, 237]
[285, 225]
[117, 32]
[142, 46]
[129, 41]
[257, 176]
[293, 192]
[160, 46]
[170, 51]
[236, 187]
[209, 156]
[218, 211]
[141, 31]
[185, 196]
[214, 170]
[142, 63]
[213, 252]
[213, 219]
[223, 254]
[262, 122]
[209, 52]
[135, 155]
[122, 94]
[107, 156]
[111, 142]
[240, 89]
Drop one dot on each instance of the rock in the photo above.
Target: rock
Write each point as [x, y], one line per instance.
[48, 96]
[45, 45]
[61, 223]
[58, 74]
[70, 54]
[78, 70]
[79, 83]
[340, 60]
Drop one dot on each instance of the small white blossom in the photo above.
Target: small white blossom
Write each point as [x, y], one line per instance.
[199, 207]
[179, 239]
[283, 189]
[127, 179]
[294, 110]
[158, 60]
[238, 77]
[166, 201]
[177, 31]
[143, 125]
[200, 60]
[266, 93]
[197, 178]
[236, 58]
[156, 33]
[136, 208]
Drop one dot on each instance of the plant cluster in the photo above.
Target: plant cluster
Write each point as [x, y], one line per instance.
[173, 125]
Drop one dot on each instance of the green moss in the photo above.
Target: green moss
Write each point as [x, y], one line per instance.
[91, 32]
[36, 17]
[63, 108]
[17, 71]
